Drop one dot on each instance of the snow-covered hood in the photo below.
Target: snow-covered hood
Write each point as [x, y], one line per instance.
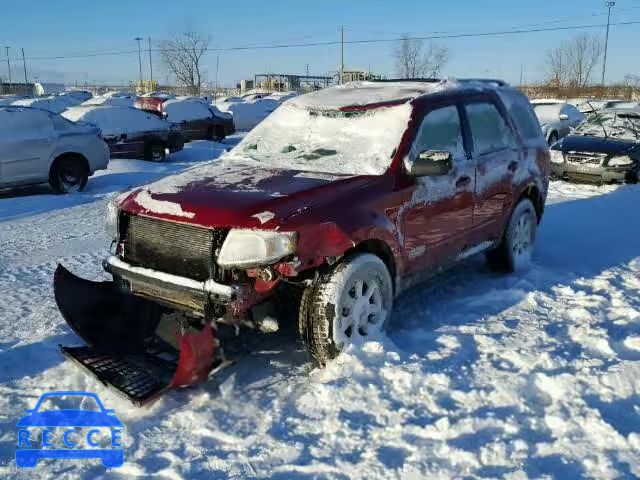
[225, 194]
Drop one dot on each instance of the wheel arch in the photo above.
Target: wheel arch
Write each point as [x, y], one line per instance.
[380, 249]
[533, 193]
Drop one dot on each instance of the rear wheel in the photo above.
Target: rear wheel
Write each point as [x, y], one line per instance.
[69, 174]
[155, 152]
[514, 252]
[347, 305]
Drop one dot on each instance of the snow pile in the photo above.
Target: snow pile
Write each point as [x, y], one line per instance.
[54, 104]
[294, 137]
[114, 121]
[120, 99]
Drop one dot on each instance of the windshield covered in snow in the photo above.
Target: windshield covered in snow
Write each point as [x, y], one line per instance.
[620, 125]
[333, 141]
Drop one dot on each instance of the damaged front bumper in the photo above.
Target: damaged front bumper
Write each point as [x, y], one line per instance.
[124, 349]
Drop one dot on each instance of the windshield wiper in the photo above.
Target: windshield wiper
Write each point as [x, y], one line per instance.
[598, 119]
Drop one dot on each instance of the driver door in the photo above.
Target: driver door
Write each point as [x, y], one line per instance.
[439, 213]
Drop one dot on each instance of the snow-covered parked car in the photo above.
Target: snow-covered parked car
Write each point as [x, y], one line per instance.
[322, 215]
[603, 149]
[53, 103]
[557, 119]
[130, 132]
[116, 99]
[37, 146]
[9, 99]
[78, 96]
[247, 114]
[198, 119]
[281, 97]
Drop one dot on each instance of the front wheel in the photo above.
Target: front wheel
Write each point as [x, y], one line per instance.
[155, 152]
[69, 174]
[514, 252]
[347, 305]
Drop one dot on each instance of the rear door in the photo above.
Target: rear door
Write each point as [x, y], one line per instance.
[438, 216]
[27, 142]
[497, 155]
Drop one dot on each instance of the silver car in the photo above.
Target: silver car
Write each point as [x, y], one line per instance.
[37, 146]
[557, 119]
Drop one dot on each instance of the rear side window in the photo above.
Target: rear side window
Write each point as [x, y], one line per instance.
[522, 114]
[440, 130]
[489, 130]
[26, 122]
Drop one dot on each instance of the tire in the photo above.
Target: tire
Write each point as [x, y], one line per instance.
[69, 174]
[553, 138]
[514, 252]
[218, 134]
[359, 286]
[155, 152]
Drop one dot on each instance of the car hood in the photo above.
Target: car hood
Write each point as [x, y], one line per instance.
[584, 143]
[69, 418]
[223, 194]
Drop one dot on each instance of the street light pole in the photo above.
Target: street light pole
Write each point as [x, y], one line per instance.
[6, 49]
[150, 64]
[609, 5]
[138, 39]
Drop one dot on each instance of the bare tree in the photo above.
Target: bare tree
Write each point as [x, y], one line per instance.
[572, 63]
[417, 59]
[182, 57]
[632, 80]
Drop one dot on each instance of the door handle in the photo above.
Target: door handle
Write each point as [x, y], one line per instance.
[463, 182]
[513, 166]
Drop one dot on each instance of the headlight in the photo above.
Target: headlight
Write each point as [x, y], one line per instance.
[622, 161]
[557, 156]
[111, 222]
[252, 248]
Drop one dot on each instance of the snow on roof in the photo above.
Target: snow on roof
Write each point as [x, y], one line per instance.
[367, 93]
[116, 120]
[547, 101]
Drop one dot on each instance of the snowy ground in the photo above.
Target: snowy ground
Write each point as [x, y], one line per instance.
[482, 375]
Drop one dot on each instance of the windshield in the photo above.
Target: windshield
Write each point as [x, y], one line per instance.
[69, 402]
[332, 141]
[625, 126]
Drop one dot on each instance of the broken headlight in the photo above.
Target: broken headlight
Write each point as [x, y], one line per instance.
[253, 248]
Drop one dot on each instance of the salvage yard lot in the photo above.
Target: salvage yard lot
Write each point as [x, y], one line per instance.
[481, 374]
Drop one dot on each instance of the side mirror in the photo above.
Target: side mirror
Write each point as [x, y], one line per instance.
[431, 163]
[563, 117]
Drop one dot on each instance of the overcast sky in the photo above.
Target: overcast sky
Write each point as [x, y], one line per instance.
[47, 28]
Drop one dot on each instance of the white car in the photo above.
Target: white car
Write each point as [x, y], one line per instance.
[37, 146]
[557, 119]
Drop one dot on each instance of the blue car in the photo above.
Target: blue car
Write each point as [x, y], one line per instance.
[28, 457]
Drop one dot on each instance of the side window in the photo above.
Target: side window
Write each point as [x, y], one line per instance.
[489, 131]
[440, 130]
[522, 114]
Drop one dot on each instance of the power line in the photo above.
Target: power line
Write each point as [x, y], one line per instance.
[360, 42]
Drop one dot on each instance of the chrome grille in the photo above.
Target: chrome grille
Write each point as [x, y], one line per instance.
[173, 248]
[588, 158]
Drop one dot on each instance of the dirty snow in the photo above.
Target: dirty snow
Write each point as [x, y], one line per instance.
[481, 375]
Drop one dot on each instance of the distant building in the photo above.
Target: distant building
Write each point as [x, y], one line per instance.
[145, 86]
[358, 76]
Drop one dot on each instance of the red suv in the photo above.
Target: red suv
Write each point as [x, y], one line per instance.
[334, 205]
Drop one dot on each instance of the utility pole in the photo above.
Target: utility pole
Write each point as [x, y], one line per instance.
[215, 93]
[609, 5]
[341, 54]
[521, 69]
[307, 69]
[150, 64]
[24, 64]
[138, 39]
[6, 49]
